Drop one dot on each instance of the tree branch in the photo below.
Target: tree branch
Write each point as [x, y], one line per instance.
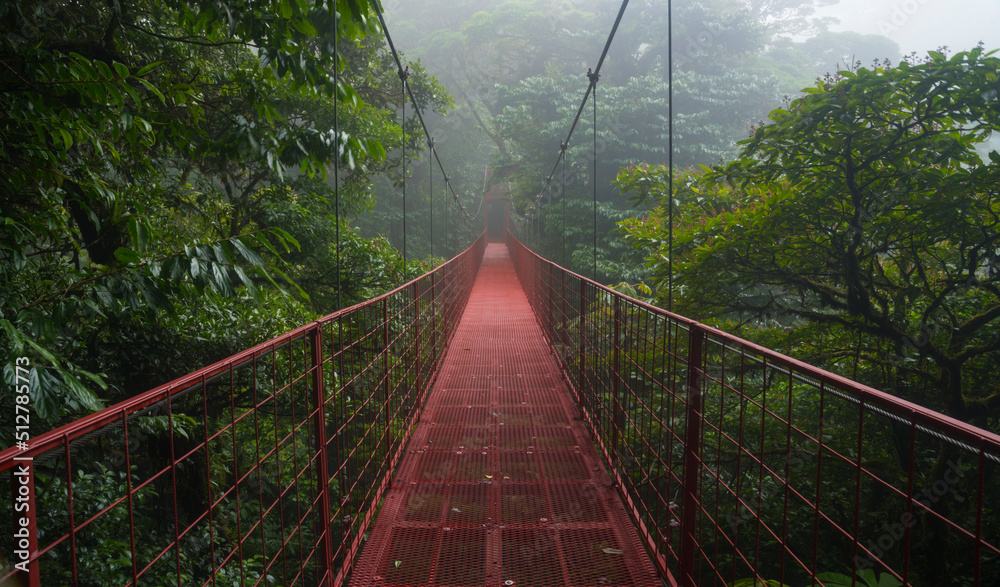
[190, 40]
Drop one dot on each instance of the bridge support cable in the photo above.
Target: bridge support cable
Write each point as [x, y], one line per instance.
[447, 224]
[562, 183]
[416, 109]
[670, 157]
[336, 156]
[594, 78]
[430, 189]
[403, 76]
[593, 82]
[593, 75]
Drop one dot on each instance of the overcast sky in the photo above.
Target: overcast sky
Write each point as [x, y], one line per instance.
[922, 25]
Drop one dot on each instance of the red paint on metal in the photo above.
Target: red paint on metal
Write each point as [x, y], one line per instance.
[270, 463]
[767, 456]
[501, 484]
[692, 458]
[737, 462]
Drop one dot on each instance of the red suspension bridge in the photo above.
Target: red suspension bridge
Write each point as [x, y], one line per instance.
[502, 421]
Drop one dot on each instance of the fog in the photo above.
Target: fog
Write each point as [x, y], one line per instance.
[517, 71]
[922, 25]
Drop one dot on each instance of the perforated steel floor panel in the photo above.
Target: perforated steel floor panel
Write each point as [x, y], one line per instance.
[501, 484]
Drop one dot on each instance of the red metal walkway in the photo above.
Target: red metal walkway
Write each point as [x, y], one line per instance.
[500, 484]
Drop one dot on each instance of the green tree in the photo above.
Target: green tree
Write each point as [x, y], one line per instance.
[790, 17]
[159, 157]
[864, 219]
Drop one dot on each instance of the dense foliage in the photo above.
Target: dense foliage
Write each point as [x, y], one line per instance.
[168, 198]
[166, 192]
[862, 225]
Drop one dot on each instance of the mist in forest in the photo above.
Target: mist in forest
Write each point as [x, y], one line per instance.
[922, 25]
[516, 73]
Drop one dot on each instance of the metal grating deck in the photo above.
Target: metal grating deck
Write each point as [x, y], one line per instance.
[500, 484]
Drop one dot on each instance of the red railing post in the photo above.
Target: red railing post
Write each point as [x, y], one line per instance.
[548, 299]
[536, 285]
[547, 325]
[583, 337]
[319, 405]
[434, 315]
[22, 484]
[692, 446]
[615, 380]
[562, 302]
[385, 363]
[416, 324]
[551, 289]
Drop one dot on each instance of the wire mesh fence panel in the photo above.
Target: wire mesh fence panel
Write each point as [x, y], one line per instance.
[738, 462]
[265, 468]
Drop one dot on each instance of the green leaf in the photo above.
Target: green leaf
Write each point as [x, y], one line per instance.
[221, 255]
[127, 256]
[153, 296]
[15, 336]
[288, 279]
[80, 392]
[153, 90]
[148, 68]
[222, 281]
[305, 27]
[140, 230]
[252, 288]
[176, 267]
[286, 239]
[247, 253]
[103, 68]
[42, 351]
[97, 379]
[116, 96]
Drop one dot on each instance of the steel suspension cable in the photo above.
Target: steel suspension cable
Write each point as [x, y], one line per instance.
[597, 72]
[430, 190]
[403, 75]
[437, 158]
[576, 119]
[562, 147]
[447, 216]
[416, 108]
[593, 82]
[670, 157]
[336, 155]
